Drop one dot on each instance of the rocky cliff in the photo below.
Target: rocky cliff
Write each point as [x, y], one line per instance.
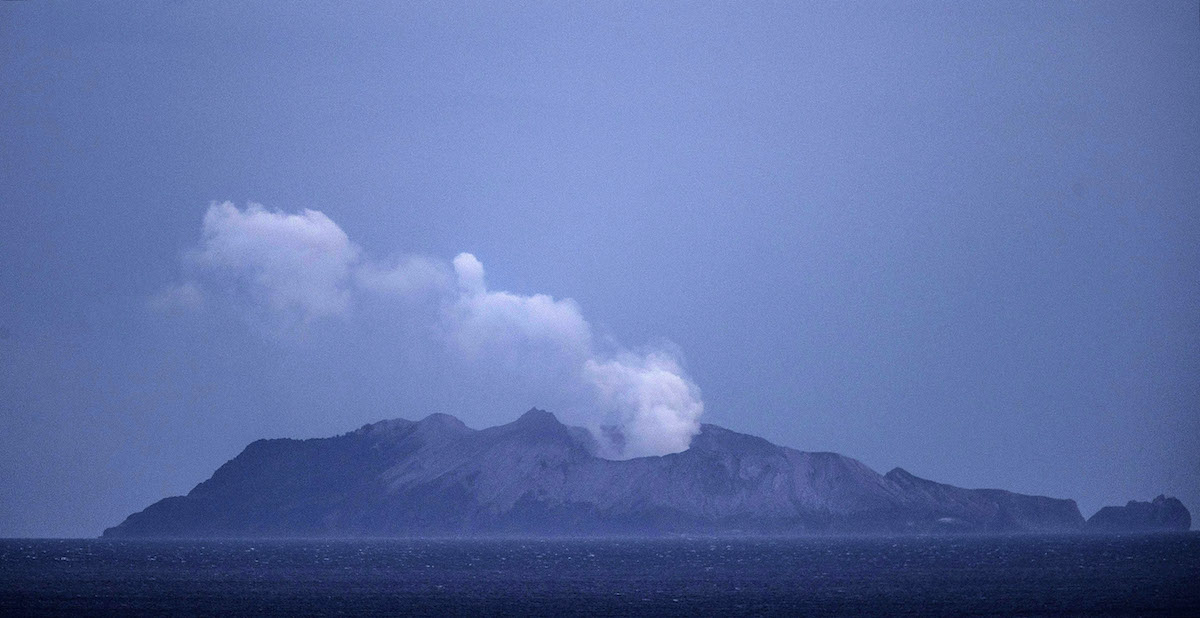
[1161, 515]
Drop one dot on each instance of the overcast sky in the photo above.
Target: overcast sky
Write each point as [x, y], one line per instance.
[960, 238]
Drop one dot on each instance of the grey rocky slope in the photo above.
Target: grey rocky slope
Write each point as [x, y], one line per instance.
[537, 476]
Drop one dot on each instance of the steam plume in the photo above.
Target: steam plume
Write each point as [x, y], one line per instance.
[303, 267]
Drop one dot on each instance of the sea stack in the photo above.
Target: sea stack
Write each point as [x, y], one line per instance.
[1161, 515]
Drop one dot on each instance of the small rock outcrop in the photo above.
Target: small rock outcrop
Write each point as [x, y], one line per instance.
[1162, 515]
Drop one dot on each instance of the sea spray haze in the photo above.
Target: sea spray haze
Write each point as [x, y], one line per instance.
[284, 271]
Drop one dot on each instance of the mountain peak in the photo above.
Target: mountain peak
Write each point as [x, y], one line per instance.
[717, 438]
[538, 417]
[441, 421]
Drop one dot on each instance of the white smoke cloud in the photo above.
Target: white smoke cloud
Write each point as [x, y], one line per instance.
[496, 321]
[657, 407]
[470, 274]
[297, 264]
[304, 265]
[408, 277]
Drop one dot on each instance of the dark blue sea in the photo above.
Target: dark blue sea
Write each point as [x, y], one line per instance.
[1067, 575]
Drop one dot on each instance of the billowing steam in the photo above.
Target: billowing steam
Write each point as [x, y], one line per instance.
[302, 267]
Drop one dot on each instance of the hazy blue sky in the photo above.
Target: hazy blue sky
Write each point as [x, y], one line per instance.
[961, 238]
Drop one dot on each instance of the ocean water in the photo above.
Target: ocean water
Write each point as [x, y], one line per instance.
[1065, 575]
